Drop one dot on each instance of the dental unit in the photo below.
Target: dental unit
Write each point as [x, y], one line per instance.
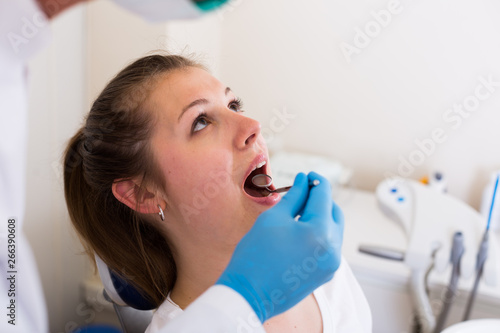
[440, 230]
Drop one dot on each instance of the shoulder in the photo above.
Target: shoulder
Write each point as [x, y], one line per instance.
[167, 311]
[208, 313]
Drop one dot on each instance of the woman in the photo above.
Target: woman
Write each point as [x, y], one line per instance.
[157, 183]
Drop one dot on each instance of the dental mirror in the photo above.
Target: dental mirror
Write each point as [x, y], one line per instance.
[264, 181]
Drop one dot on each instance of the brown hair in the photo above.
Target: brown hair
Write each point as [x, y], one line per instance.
[113, 145]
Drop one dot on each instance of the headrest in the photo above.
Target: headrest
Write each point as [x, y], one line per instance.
[120, 290]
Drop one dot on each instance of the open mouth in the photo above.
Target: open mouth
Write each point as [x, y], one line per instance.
[253, 190]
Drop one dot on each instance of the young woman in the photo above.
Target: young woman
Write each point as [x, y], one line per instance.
[157, 183]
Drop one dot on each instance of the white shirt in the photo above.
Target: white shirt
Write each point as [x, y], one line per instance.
[343, 307]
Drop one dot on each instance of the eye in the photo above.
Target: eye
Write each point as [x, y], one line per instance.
[200, 123]
[236, 105]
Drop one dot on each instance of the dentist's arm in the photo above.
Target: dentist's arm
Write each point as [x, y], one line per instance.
[51, 8]
[258, 282]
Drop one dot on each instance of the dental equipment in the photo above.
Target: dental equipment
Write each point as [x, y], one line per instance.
[430, 220]
[264, 181]
[382, 252]
[482, 255]
[457, 251]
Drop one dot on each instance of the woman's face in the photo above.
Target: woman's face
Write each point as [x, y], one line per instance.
[207, 148]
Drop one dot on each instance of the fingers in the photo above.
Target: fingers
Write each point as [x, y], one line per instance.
[296, 197]
[320, 200]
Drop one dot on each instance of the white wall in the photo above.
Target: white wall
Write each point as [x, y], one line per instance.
[368, 113]
[377, 107]
[117, 37]
[56, 105]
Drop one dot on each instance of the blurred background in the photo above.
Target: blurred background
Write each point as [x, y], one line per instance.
[383, 87]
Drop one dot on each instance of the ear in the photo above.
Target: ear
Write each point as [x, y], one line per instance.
[129, 193]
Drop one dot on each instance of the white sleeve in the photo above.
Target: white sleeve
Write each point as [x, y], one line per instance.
[219, 309]
[23, 31]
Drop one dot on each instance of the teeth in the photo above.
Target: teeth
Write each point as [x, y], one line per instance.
[260, 165]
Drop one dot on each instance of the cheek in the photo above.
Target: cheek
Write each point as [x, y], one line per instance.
[200, 180]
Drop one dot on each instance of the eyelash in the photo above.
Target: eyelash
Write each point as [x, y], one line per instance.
[238, 103]
[204, 115]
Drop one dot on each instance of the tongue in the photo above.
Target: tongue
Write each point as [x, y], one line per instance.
[254, 191]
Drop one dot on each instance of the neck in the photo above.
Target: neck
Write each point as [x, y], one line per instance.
[197, 271]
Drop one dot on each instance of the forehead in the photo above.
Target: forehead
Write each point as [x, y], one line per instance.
[180, 87]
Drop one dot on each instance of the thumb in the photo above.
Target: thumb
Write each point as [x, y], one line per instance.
[294, 200]
[319, 203]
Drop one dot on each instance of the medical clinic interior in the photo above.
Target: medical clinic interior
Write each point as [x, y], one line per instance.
[395, 102]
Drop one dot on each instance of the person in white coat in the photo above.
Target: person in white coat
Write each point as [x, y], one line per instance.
[24, 31]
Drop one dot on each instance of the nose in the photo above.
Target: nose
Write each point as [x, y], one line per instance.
[247, 132]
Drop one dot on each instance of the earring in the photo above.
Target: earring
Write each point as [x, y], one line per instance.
[162, 216]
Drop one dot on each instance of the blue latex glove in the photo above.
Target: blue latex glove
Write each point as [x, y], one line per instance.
[280, 260]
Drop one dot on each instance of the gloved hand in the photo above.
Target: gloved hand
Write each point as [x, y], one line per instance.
[280, 260]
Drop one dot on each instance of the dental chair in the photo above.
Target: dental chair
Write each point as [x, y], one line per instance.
[133, 310]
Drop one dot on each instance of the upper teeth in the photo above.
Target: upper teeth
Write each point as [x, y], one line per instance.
[260, 165]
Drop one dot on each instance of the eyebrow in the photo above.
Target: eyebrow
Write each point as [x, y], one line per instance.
[198, 102]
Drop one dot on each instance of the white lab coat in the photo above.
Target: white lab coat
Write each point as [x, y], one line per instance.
[23, 31]
[342, 304]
